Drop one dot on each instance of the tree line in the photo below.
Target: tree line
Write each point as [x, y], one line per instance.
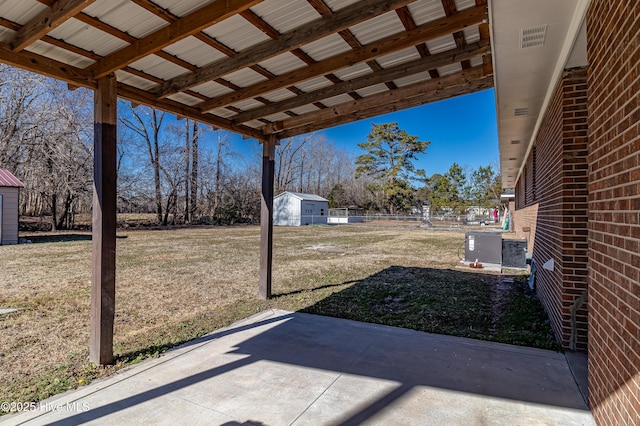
[182, 171]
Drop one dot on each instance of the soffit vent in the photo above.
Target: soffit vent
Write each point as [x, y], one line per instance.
[519, 112]
[533, 37]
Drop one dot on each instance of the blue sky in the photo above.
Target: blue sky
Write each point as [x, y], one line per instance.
[461, 130]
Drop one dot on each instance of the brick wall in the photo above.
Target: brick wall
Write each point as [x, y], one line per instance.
[613, 47]
[552, 205]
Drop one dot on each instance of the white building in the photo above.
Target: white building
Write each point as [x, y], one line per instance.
[297, 209]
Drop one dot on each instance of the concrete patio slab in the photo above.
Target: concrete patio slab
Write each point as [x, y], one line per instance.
[283, 368]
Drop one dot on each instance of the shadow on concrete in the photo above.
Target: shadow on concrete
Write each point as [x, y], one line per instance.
[405, 358]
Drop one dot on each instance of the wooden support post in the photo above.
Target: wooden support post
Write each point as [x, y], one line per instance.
[103, 282]
[266, 217]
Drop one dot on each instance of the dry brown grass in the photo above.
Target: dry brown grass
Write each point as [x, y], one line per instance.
[175, 285]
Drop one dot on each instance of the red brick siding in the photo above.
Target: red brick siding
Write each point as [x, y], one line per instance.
[552, 194]
[613, 51]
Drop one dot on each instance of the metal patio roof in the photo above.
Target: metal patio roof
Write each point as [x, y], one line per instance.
[258, 68]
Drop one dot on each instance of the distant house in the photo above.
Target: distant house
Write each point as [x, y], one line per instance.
[297, 209]
[9, 193]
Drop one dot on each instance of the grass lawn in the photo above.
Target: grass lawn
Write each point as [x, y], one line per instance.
[175, 285]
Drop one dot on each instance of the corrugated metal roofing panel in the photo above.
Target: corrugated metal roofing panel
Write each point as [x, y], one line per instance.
[247, 104]
[194, 51]
[21, 11]
[223, 112]
[372, 90]
[441, 44]
[279, 95]
[424, 11]
[282, 63]
[158, 67]
[302, 196]
[184, 98]
[336, 5]
[336, 100]
[211, 89]
[89, 38]
[277, 116]
[245, 77]
[313, 84]
[134, 80]
[6, 35]
[472, 34]
[285, 15]
[354, 71]
[59, 54]
[256, 124]
[181, 7]
[326, 47]
[236, 33]
[376, 28]
[399, 57]
[8, 179]
[449, 69]
[476, 61]
[304, 109]
[464, 4]
[412, 79]
[126, 16]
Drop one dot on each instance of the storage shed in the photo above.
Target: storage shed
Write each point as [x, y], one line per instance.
[9, 193]
[297, 209]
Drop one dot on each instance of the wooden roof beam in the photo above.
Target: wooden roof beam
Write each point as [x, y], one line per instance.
[387, 45]
[42, 65]
[46, 21]
[175, 31]
[289, 41]
[141, 97]
[383, 76]
[364, 113]
[382, 100]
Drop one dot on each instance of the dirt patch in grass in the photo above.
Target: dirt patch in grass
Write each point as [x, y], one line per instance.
[176, 285]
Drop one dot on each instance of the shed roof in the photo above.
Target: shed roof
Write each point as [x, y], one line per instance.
[7, 179]
[258, 67]
[302, 197]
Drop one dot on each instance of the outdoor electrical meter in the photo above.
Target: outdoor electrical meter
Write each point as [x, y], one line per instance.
[485, 247]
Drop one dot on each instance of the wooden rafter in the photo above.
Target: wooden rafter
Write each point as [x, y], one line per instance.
[346, 34]
[46, 66]
[142, 97]
[281, 43]
[182, 28]
[82, 78]
[46, 21]
[379, 48]
[364, 113]
[383, 76]
[380, 100]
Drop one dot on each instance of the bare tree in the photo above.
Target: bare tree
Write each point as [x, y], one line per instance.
[147, 124]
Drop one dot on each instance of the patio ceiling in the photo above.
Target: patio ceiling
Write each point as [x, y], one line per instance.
[532, 43]
[258, 68]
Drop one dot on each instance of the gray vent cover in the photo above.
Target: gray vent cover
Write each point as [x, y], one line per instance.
[519, 112]
[533, 37]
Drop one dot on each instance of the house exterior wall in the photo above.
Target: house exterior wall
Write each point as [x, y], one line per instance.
[9, 215]
[613, 52]
[551, 209]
